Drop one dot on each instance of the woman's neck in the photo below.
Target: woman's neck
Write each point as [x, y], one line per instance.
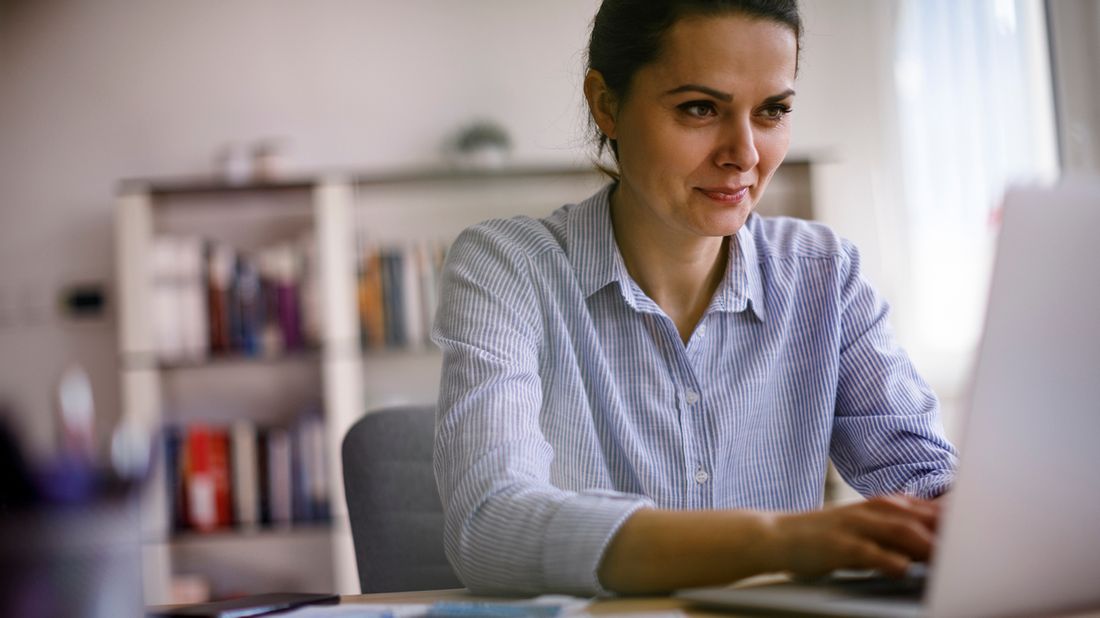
[680, 272]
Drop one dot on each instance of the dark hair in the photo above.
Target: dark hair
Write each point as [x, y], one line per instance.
[627, 35]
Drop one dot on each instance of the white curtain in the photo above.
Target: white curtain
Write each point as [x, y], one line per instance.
[975, 111]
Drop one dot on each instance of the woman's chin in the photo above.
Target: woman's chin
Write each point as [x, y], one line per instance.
[726, 223]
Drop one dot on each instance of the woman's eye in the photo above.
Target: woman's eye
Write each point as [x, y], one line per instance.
[698, 109]
[776, 112]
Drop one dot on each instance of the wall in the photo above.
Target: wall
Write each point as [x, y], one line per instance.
[91, 92]
[1075, 36]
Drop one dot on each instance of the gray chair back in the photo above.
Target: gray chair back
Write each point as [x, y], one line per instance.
[396, 515]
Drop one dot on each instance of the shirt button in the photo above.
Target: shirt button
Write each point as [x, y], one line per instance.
[701, 476]
[691, 397]
[701, 331]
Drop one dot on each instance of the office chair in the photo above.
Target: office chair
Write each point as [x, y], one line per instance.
[396, 515]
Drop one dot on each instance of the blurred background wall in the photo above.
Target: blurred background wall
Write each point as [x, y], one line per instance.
[914, 116]
[96, 92]
[92, 92]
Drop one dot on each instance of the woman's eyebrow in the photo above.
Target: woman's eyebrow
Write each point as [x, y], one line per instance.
[724, 96]
[775, 98]
[718, 94]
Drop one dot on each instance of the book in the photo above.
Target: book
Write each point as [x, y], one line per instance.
[287, 277]
[263, 476]
[391, 293]
[247, 308]
[246, 499]
[198, 480]
[398, 293]
[210, 299]
[247, 475]
[411, 301]
[206, 479]
[220, 261]
[173, 461]
[428, 275]
[371, 299]
[301, 506]
[315, 471]
[279, 476]
[221, 467]
[192, 297]
[309, 289]
[165, 290]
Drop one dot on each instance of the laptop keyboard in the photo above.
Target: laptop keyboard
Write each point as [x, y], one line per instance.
[866, 583]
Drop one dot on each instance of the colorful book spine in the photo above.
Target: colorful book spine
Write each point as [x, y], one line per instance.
[398, 293]
[219, 269]
[209, 299]
[371, 302]
[263, 476]
[246, 499]
[174, 479]
[247, 476]
[199, 480]
[286, 277]
[248, 308]
[280, 477]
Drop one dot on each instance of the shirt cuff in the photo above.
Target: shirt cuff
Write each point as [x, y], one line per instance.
[930, 485]
[577, 536]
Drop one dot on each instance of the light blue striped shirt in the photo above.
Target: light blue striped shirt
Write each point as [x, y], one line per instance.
[568, 399]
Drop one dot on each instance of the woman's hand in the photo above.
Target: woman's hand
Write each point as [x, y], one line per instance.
[884, 533]
[660, 550]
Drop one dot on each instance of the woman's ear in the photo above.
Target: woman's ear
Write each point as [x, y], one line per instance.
[602, 103]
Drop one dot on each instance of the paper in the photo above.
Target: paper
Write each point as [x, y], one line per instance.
[360, 610]
[545, 607]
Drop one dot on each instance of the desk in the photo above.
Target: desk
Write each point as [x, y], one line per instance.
[616, 606]
[602, 607]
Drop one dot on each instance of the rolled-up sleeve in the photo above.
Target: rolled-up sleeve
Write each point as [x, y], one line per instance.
[508, 529]
[887, 432]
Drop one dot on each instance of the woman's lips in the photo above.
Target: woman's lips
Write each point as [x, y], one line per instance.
[725, 195]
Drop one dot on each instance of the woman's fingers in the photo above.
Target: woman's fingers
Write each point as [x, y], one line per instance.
[900, 533]
[924, 511]
[883, 533]
[865, 554]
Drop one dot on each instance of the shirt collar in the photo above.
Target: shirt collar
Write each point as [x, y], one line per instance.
[593, 251]
[595, 257]
[742, 287]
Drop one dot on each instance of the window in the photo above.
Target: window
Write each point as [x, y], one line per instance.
[976, 116]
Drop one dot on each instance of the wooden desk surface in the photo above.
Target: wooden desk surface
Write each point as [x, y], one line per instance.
[616, 606]
[601, 607]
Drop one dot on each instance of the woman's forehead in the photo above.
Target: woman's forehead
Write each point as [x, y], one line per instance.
[734, 52]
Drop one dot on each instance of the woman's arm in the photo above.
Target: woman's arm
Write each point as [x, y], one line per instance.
[657, 551]
[508, 529]
[887, 433]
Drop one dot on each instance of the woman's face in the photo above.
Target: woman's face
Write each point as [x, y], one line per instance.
[704, 126]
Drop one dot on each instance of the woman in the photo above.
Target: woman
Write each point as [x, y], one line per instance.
[641, 391]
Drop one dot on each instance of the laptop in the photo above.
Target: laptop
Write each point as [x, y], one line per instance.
[1020, 532]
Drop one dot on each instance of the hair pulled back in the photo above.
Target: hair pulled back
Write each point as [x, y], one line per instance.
[627, 35]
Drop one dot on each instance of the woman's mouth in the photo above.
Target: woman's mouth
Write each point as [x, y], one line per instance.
[725, 195]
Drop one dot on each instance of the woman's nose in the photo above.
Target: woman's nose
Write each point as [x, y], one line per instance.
[737, 147]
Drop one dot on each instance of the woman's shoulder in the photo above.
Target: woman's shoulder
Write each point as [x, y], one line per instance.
[790, 238]
[515, 236]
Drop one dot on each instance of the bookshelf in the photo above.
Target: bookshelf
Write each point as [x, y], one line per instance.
[342, 215]
[338, 216]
